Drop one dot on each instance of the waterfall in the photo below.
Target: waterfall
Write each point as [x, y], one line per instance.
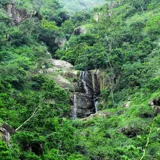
[96, 106]
[95, 100]
[84, 99]
[91, 86]
[83, 79]
[74, 110]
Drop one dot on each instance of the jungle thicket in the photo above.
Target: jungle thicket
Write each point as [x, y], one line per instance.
[122, 38]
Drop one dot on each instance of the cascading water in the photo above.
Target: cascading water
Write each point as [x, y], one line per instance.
[96, 107]
[84, 99]
[74, 109]
[83, 80]
[95, 104]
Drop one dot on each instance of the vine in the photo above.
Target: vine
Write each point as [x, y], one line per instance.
[148, 140]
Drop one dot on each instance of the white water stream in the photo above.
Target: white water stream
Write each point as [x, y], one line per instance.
[74, 111]
[82, 78]
[86, 82]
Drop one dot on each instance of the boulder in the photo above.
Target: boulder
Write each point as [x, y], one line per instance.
[155, 104]
[9, 128]
[5, 133]
[61, 64]
[63, 73]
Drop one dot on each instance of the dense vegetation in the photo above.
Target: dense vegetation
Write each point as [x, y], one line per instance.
[122, 39]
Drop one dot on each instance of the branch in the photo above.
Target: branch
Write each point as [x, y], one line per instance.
[148, 140]
[33, 114]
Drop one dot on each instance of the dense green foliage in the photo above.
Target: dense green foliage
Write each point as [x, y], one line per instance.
[123, 42]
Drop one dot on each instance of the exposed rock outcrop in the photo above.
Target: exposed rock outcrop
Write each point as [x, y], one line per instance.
[155, 104]
[84, 86]
[63, 82]
[61, 64]
[63, 73]
[82, 105]
[5, 133]
[18, 15]
[84, 99]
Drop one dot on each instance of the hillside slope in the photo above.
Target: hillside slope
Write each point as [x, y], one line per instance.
[120, 40]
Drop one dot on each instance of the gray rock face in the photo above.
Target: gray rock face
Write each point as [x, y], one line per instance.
[84, 100]
[63, 82]
[61, 64]
[63, 73]
[5, 133]
[18, 15]
[5, 136]
[84, 90]
[82, 105]
[88, 80]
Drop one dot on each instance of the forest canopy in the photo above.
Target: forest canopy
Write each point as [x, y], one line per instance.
[120, 39]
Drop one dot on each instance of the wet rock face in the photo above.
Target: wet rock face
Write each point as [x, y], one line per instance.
[84, 87]
[84, 99]
[82, 105]
[88, 80]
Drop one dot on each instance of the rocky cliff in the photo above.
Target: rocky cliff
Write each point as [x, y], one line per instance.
[18, 15]
[84, 86]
